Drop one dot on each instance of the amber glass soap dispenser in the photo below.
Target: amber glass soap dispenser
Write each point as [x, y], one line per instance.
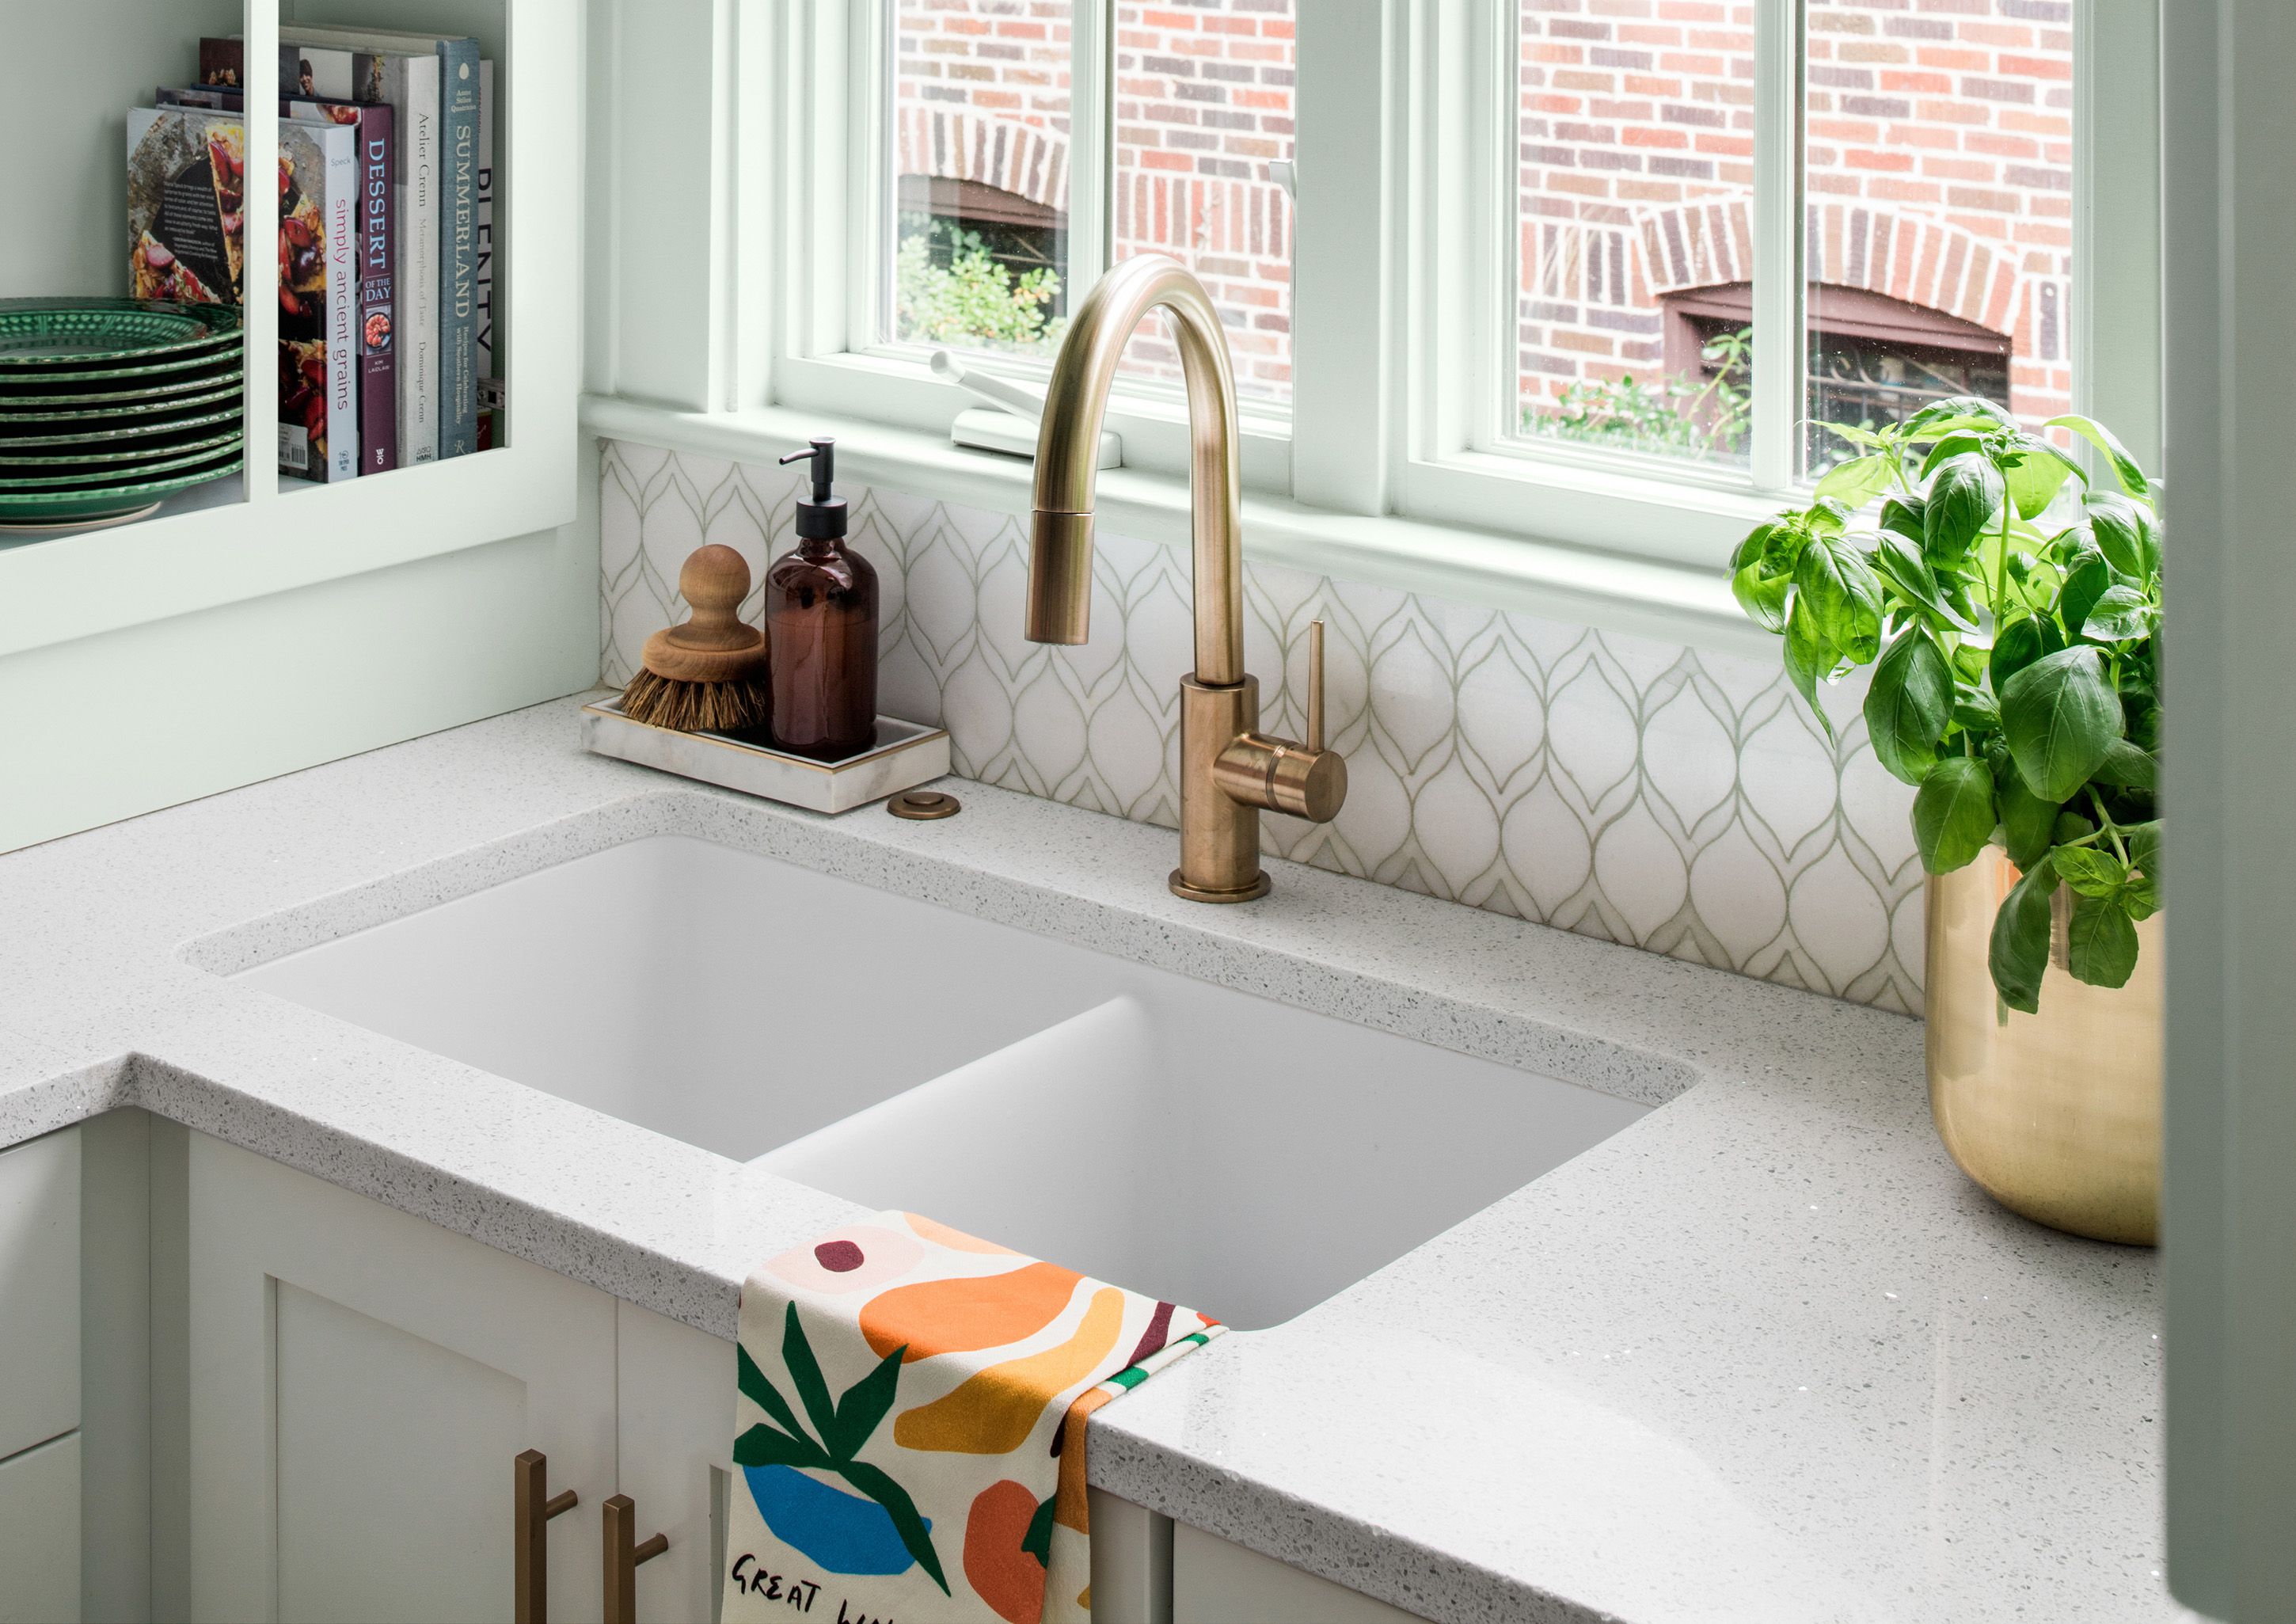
[821, 622]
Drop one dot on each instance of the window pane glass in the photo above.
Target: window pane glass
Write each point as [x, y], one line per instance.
[980, 150]
[1939, 221]
[1633, 315]
[1204, 103]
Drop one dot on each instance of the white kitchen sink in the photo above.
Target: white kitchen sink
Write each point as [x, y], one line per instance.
[1242, 1156]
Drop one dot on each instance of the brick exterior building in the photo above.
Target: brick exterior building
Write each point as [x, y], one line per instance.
[1203, 100]
[1938, 157]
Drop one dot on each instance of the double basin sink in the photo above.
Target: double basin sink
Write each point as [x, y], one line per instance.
[1242, 1156]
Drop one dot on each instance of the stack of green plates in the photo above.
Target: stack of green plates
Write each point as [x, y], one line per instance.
[108, 404]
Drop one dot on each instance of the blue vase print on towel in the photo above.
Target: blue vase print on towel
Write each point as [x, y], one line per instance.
[845, 1533]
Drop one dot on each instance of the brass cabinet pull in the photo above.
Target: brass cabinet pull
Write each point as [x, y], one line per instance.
[537, 1506]
[623, 1551]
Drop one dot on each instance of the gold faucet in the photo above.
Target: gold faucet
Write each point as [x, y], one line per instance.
[1229, 770]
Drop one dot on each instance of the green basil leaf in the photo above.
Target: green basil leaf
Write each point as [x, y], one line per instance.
[2089, 871]
[2145, 847]
[2035, 477]
[2101, 943]
[1963, 499]
[1908, 705]
[1762, 597]
[1974, 710]
[1954, 414]
[2071, 826]
[1902, 514]
[2061, 717]
[2086, 582]
[2130, 767]
[2118, 526]
[1952, 446]
[2015, 646]
[1750, 550]
[2018, 952]
[1899, 562]
[2142, 898]
[1953, 813]
[1809, 660]
[2025, 819]
[1859, 481]
[2120, 614]
[1842, 594]
[2124, 466]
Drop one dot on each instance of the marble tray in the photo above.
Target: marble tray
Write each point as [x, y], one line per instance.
[907, 754]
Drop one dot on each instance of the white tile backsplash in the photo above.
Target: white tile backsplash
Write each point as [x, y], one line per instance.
[1617, 786]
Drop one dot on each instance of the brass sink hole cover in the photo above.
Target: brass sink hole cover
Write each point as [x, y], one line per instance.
[924, 804]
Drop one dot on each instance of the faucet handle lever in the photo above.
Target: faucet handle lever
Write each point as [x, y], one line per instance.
[1314, 740]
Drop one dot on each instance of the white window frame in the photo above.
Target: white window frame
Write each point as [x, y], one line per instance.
[1391, 463]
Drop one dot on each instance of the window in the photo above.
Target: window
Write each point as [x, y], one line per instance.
[1591, 272]
[1935, 216]
[985, 169]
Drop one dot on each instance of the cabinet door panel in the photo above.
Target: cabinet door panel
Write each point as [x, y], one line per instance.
[1216, 1582]
[360, 1383]
[39, 1534]
[366, 1412]
[39, 1291]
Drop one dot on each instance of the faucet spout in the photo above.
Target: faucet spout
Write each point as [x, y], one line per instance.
[1061, 528]
[1229, 771]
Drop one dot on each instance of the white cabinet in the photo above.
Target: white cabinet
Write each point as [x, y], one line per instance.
[1215, 1582]
[39, 1533]
[361, 1383]
[39, 1291]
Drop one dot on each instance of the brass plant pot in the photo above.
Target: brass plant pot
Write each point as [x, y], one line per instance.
[2057, 1114]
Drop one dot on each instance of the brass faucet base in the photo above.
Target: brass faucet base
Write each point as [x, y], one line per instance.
[1197, 893]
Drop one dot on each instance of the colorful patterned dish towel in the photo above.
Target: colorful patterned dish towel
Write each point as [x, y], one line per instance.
[910, 1427]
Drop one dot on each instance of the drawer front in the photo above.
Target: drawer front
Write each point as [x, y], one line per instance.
[39, 1291]
[39, 1534]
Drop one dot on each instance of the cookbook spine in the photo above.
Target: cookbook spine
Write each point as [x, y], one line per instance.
[377, 337]
[458, 247]
[340, 212]
[490, 424]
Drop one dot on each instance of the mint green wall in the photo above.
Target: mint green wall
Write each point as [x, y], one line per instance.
[106, 727]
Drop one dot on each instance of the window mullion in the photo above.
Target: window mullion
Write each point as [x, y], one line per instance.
[1778, 295]
[1091, 143]
[1342, 254]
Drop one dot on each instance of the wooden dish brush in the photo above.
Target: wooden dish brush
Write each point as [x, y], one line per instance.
[709, 673]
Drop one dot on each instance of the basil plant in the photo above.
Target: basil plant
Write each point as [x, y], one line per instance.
[2010, 610]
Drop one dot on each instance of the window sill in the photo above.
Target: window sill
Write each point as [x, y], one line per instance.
[1676, 601]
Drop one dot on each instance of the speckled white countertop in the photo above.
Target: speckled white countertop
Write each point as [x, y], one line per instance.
[1765, 1355]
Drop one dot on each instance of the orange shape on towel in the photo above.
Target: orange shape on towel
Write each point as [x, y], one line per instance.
[993, 1411]
[966, 1314]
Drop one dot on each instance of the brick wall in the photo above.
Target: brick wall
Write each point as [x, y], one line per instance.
[1939, 155]
[1203, 100]
[1939, 159]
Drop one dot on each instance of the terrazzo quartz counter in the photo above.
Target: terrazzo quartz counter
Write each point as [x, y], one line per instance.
[1763, 1356]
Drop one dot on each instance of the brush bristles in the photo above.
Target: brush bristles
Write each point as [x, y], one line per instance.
[742, 708]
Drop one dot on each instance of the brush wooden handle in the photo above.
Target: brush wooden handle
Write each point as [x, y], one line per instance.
[712, 644]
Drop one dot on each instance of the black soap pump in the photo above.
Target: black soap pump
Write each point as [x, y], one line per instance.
[821, 626]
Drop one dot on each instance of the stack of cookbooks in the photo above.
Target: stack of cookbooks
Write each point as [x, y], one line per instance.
[385, 260]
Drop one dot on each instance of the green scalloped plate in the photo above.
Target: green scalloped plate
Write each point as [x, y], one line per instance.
[43, 460]
[41, 334]
[77, 389]
[53, 507]
[130, 409]
[64, 483]
[141, 428]
[159, 366]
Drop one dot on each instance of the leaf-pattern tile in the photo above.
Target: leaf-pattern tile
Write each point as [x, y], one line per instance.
[1628, 788]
